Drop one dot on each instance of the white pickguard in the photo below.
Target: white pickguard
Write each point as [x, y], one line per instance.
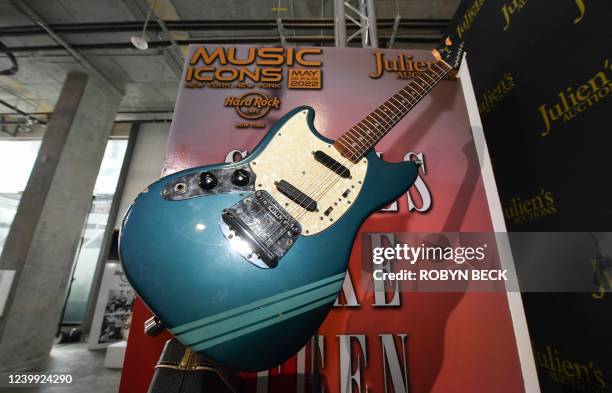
[289, 156]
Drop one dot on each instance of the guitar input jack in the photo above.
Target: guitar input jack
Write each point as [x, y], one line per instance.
[180, 188]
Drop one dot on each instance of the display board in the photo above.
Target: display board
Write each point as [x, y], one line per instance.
[542, 73]
[385, 340]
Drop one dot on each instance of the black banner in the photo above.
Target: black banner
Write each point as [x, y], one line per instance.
[542, 74]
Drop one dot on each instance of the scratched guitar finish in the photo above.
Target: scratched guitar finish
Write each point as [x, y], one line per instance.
[243, 261]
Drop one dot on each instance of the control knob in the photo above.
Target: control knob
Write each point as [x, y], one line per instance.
[240, 178]
[207, 181]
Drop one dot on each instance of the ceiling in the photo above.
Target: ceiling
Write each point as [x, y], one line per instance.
[95, 35]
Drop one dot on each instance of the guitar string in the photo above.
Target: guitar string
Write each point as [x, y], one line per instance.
[392, 121]
[354, 153]
[397, 116]
[378, 133]
[358, 142]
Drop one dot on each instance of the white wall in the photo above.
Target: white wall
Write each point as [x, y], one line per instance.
[146, 164]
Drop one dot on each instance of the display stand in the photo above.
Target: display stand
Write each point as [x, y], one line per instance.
[418, 342]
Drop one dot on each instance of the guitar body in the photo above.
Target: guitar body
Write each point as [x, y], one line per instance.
[181, 241]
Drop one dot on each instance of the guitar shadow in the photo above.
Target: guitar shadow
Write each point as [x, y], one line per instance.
[440, 100]
[427, 327]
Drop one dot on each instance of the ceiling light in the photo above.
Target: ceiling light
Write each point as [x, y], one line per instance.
[140, 41]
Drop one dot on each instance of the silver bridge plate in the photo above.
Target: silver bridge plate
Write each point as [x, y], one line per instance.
[259, 229]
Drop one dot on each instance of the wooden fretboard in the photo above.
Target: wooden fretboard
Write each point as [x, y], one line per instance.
[362, 137]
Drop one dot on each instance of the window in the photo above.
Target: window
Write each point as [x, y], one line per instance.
[93, 233]
[16, 161]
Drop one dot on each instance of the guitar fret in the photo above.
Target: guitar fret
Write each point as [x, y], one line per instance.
[372, 128]
[384, 111]
[380, 118]
[373, 134]
[367, 137]
[427, 75]
[430, 85]
[393, 116]
[377, 123]
[407, 104]
[353, 153]
[341, 141]
[352, 142]
[442, 65]
[390, 103]
[404, 99]
[417, 84]
[383, 118]
[354, 139]
[366, 119]
[343, 149]
[436, 71]
[411, 98]
[362, 128]
[365, 129]
[376, 127]
[416, 96]
[405, 89]
[345, 146]
[425, 82]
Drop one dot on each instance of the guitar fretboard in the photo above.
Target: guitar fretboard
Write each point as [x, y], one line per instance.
[362, 137]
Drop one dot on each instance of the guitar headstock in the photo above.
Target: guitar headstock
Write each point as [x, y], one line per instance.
[451, 52]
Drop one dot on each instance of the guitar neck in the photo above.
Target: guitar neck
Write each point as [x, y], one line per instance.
[362, 137]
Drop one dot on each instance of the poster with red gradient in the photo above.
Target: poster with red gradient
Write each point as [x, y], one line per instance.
[372, 341]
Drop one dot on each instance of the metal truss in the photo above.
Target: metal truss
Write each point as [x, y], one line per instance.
[366, 13]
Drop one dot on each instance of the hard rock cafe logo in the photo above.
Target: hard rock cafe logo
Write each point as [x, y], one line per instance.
[252, 105]
[577, 376]
[520, 211]
[404, 66]
[573, 101]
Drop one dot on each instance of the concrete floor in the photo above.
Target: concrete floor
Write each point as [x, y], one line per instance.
[86, 367]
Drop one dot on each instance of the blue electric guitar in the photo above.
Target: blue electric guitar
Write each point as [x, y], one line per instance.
[243, 261]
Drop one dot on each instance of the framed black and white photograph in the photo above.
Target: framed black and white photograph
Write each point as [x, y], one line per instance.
[113, 314]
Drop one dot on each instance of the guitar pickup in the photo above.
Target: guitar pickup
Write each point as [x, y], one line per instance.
[332, 164]
[297, 196]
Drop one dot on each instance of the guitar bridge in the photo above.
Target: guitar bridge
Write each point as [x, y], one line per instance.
[259, 229]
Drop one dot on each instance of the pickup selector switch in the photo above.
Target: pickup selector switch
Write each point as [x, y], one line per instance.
[207, 181]
[240, 178]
